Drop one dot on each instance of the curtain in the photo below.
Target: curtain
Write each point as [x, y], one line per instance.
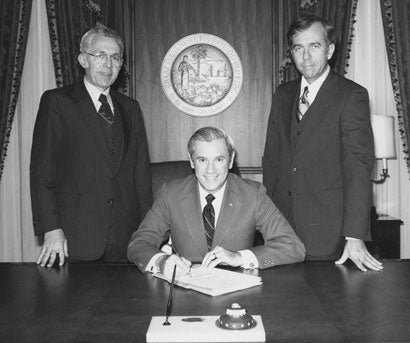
[14, 24]
[340, 13]
[17, 240]
[396, 24]
[67, 22]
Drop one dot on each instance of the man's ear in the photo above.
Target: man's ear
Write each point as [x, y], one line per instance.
[232, 159]
[330, 51]
[191, 162]
[83, 61]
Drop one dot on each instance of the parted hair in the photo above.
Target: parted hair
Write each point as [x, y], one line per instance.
[99, 30]
[305, 21]
[209, 134]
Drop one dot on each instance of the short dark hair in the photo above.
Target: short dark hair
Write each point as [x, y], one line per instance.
[100, 30]
[209, 134]
[305, 21]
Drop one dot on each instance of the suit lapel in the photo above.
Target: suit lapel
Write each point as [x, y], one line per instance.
[231, 203]
[86, 110]
[191, 210]
[326, 96]
[125, 121]
[289, 106]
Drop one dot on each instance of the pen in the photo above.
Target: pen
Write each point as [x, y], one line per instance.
[179, 255]
[169, 303]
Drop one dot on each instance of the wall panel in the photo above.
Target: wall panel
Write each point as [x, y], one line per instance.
[157, 25]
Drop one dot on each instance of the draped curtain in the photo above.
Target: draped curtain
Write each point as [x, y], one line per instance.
[340, 13]
[14, 25]
[396, 23]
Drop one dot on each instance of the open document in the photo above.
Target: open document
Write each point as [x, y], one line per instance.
[214, 281]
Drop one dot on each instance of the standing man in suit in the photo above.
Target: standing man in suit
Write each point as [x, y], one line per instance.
[319, 155]
[212, 217]
[89, 171]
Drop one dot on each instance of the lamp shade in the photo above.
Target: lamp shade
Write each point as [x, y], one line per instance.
[383, 132]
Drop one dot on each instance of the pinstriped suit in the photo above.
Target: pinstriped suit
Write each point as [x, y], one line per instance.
[245, 209]
[74, 185]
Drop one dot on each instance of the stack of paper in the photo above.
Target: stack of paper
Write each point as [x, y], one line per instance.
[215, 281]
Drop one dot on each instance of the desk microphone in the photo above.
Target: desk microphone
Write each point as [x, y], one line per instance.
[169, 303]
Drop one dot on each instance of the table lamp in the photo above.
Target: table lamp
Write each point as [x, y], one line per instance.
[384, 143]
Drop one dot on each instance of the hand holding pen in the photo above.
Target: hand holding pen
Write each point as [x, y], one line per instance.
[183, 266]
[187, 264]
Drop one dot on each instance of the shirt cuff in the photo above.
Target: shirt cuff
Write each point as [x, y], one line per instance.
[249, 260]
[352, 239]
[152, 265]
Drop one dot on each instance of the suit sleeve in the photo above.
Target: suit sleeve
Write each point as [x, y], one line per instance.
[45, 152]
[271, 153]
[357, 165]
[145, 241]
[282, 245]
[142, 171]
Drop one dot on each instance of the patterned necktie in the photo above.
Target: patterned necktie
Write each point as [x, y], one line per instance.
[105, 110]
[209, 219]
[303, 103]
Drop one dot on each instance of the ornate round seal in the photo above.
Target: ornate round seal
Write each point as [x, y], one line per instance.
[201, 75]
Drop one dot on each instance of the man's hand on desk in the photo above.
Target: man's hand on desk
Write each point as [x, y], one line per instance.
[356, 250]
[167, 262]
[54, 244]
[221, 255]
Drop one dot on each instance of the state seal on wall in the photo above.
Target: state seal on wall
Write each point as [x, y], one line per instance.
[201, 75]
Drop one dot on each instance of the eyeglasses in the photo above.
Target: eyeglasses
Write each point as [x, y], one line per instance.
[102, 57]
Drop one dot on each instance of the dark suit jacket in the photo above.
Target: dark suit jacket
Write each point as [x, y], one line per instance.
[245, 209]
[319, 174]
[73, 183]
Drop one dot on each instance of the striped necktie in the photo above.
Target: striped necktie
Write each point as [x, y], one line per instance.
[303, 103]
[105, 110]
[209, 220]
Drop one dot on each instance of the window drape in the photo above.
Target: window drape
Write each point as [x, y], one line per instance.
[67, 22]
[340, 13]
[14, 25]
[396, 24]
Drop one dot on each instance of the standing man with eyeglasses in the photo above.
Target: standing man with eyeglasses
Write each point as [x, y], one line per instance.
[89, 173]
[318, 154]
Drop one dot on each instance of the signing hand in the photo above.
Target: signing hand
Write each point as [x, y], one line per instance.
[356, 250]
[183, 266]
[221, 255]
[54, 244]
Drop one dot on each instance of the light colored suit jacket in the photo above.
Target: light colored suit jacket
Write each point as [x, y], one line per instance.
[318, 173]
[245, 209]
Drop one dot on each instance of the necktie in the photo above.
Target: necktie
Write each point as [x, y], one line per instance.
[105, 110]
[209, 219]
[303, 103]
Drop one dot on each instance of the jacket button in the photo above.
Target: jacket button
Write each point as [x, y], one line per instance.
[111, 201]
[294, 169]
[290, 193]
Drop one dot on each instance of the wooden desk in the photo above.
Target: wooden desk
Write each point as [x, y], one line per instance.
[307, 302]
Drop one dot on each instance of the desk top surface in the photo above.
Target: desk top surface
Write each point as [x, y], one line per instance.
[306, 302]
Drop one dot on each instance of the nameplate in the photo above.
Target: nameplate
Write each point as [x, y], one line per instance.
[200, 329]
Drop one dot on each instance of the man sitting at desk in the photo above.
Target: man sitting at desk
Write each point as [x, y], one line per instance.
[212, 217]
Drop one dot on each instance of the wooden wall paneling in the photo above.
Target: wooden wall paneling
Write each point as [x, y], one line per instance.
[156, 26]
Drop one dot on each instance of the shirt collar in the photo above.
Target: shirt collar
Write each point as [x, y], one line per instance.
[314, 86]
[218, 195]
[95, 94]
